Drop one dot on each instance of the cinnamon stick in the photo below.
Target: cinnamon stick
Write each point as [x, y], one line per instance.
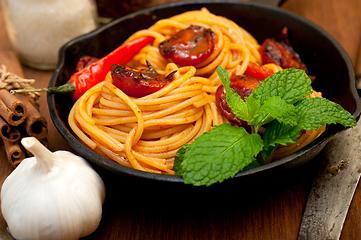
[35, 124]
[12, 109]
[14, 152]
[8, 132]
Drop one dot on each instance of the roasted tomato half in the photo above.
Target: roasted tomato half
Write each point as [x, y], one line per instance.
[243, 85]
[274, 52]
[138, 82]
[282, 53]
[189, 47]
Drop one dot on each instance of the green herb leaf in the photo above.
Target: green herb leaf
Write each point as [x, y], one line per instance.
[312, 113]
[217, 155]
[274, 108]
[318, 111]
[177, 167]
[289, 84]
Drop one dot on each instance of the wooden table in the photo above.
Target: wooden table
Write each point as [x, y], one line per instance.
[272, 211]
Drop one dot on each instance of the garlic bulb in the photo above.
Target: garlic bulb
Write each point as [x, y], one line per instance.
[52, 195]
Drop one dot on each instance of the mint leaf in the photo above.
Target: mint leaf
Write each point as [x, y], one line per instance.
[217, 155]
[289, 84]
[318, 111]
[278, 133]
[312, 113]
[275, 108]
[253, 105]
[177, 166]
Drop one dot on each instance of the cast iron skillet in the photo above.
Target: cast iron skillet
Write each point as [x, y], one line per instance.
[325, 58]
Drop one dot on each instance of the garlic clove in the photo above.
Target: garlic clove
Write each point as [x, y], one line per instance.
[57, 200]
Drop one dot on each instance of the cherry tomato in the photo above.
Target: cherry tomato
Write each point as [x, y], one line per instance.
[190, 46]
[136, 82]
[243, 85]
[225, 109]
[259, 72]
[281, 53]
[274, 52]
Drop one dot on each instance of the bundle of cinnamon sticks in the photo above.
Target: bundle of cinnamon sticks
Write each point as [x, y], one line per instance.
[19, 117]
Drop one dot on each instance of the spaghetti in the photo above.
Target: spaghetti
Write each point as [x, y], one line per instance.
[145, 133]
[235, 47]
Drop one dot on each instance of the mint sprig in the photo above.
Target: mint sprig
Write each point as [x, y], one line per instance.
[210, 158]
[280, 102]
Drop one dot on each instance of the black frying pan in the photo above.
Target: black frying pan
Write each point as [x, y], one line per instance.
[325, 58]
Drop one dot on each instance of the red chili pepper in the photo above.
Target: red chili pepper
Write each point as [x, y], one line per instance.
[95, 72]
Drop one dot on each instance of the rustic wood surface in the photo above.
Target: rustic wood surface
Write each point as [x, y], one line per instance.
[273, 210]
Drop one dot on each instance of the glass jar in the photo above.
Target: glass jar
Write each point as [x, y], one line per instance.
[38, 28]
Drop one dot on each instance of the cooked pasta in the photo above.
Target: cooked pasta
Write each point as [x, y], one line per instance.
[235, 47]
[145, 133]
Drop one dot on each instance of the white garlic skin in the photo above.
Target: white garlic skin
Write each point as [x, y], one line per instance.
[63, 203]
